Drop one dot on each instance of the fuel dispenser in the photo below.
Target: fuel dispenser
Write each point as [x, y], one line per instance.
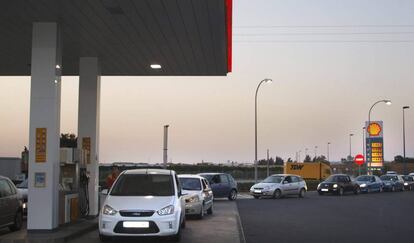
[74, 179]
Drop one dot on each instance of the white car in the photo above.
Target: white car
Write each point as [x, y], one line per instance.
[279, 185]
[143, 202]
[198, 195]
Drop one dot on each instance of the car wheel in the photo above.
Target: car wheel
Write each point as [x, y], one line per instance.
[18, 219]
[183, 224]
[357, 191]
[277, 194]
[104, 238]
[402, 188]
[176, 237]
[233, 195]
[393, 188]
[201, 214]
[256, 197]
[210, 210]
[320, 193]
[381, 189]
[302, 193]
[341, 191]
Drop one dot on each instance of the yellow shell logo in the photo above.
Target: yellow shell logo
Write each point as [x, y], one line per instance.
[374, 129]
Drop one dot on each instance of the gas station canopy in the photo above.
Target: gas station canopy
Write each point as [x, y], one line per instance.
[185, 37]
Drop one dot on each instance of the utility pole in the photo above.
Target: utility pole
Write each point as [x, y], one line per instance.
[165, 145]
[268, 162]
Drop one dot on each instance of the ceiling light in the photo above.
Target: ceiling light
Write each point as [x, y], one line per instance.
[155, 66]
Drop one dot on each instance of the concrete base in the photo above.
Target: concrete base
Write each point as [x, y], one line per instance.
[58, 235]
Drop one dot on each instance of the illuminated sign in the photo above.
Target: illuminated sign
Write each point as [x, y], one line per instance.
[375, 144]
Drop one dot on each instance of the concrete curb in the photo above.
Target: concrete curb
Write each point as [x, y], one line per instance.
[240, 226]
[63, 235]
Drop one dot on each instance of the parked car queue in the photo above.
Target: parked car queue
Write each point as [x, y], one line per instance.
[159, 206]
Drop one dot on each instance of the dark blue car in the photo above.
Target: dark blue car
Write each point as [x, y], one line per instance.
[223, 185]
[370, 183]
[392, 182]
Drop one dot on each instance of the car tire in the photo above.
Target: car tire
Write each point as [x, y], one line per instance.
[302, 193]
[256, 197]
[104, 238]
[183, 224]
[341, 191]
[18, 221]
[201, 214]
[320, 193]
[381, 189]
[357, 191]
[210, 210]
[393, 188]
[176, 237]
[277, 194]
[233, 195]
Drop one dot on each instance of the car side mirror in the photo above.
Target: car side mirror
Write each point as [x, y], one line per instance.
[104, 191]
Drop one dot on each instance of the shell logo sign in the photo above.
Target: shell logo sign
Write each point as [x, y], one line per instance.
[374, 129]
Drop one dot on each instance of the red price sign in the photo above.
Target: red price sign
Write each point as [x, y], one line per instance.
[359, 159]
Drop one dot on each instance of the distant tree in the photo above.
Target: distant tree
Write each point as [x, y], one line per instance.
[398, 158]
[279, 161]
[289, 160]
[307, 159]
[68, 140]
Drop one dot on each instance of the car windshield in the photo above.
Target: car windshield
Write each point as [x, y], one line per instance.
[388, 178]
[22, 185]
[363, 178]
[190, 184]
[332, 179]
[273, 179]
[143, 185]
[408, 178]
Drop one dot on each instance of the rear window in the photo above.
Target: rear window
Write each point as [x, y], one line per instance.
[143, 185]
[190, 184]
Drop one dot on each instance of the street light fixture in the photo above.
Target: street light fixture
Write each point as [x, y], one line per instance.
[387, 102]
[266, 80]
[404, 161]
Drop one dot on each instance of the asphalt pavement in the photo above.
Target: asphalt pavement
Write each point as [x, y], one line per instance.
[376, 217]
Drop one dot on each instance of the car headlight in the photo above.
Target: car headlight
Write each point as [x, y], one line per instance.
[192, 199]
[405, 184]
[363, 185]
[24, 205]
[108, 210]
[166, 211]
[335, 185]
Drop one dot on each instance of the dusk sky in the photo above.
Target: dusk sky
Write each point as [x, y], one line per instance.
[330, 60]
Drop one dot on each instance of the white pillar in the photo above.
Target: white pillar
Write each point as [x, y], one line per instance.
[44, 128]
[88, 123]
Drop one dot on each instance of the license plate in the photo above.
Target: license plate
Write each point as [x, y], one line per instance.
[131, 224]
[257, 191]
[324, 190]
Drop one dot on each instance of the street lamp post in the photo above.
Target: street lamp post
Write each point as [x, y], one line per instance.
[350, 145]
[266, 80]
[327, 152]
[404, 161]
[387, 102]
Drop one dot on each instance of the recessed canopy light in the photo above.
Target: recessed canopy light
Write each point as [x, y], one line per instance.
[57, 66]
[155, 66]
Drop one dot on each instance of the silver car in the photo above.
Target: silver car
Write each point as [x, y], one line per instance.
[279, 185]
[198, 195]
